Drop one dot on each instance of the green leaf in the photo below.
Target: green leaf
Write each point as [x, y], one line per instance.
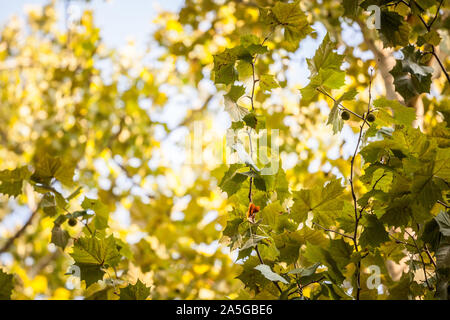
[443, 269]
[431, 234]
[289, 242]
[251, 120]
[443, 220]
[60, 237]
[325, 57]
[267, 82]
[335, 119]
[48, 204]
[96, 251]
[235, 93]
[431, 37]
[326, 71]
[324, 202]
[305, 272]
[11, 181]
[224, 70]
[411, 76]
[401, 114]
[101, 212]
[137, 291]
[232, 180]
[244, 68]
[90, 273]
[394, 31]
[47, 167]
[269, 274]
[276, 182]
[341, 252]
[271, 213]
[381, 180]
[92, 254]
[318, 254]
[6, 285]
[374, 232]
[294, 22]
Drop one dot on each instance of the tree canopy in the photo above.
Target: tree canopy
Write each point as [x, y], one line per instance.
[333, 176]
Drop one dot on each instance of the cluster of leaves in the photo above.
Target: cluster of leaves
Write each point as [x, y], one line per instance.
[94, 251]
[300, 234]
[317, 243]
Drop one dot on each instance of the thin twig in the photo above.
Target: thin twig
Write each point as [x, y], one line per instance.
[443, 203]
[421, 259]
[436, 15]
[250, 197]
[401, 241]
[428, 27]
[340, 104]
[19, 232]
[330, 230]
[429, 255]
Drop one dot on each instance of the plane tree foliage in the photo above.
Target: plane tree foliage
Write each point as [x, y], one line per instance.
[349, 201]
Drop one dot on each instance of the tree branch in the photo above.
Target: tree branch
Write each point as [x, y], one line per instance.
[19, 232]
[330, 230]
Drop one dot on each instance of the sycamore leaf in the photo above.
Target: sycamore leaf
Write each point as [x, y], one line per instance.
[316, 253]
[90, 273]
[244, 69]
[374, 233]
[267, 82]
[47, 167]
[60, 237]
[394, 31]
[224, 69]
[305, 272]
[294, 22]
[269, 274]
[232, 180]
[253, 241]
[11, 181]
[251, 120]
[443, 220]
[6, 285]
[401, 114]
[48, 204]
[431, 37]
[235, 93]
[431, 234]
[101, 212]
[325, 69]
[289, 242]
[411, 76]
[324, 202]
[92, 254]
[96, 251]
[325, 57]
[335, 119]
[137, 291]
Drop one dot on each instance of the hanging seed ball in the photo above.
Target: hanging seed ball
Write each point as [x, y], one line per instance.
[345, 115]
[370, 117]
